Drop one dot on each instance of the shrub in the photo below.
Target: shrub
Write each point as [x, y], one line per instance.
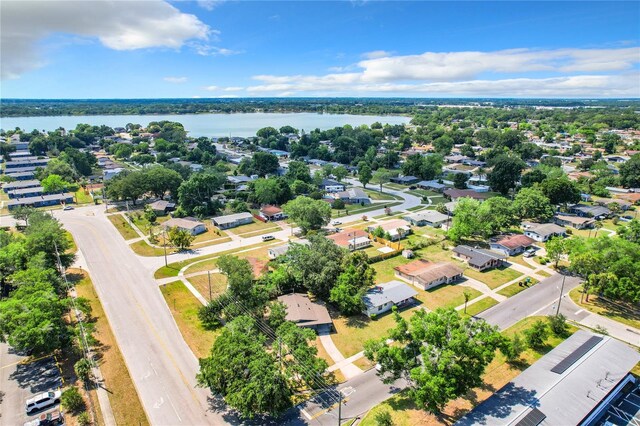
[83, 419]
[373, 317]
[83, 370]
[513, 348]
[383, 418]
[558, 325]
[337, 204]
[72, 401]
[537, 334]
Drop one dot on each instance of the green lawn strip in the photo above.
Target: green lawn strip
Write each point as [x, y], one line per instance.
[520, 261]
[73, 248]
[254, 227]
[446, 296]
[184, 308]
[172, 269]
[395, 186]
[494, 277]
[377, 195]
[412, 209]
[124, 227]
[480, 306]
[612, 310]
[543, 273]
[516, 288]
[363, 209]
[142, 248]
[80, 197]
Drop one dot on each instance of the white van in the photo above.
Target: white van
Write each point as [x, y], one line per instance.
[268, 237]
[43, 400]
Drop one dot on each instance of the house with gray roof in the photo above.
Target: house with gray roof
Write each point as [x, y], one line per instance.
[427, 217]
[194, 227]
[21, 184]
[432, 185]
[596, 212]
[383, 297]
[232, 220]
[542, 232]
[584, 381]
[405, 180]
[479, 259]
[353, 196]
[305, 312]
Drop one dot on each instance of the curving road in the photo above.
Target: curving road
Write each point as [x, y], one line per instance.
[162, 366]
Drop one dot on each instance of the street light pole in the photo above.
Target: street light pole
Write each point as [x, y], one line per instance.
[164, 237]
[209, 277]
[560, 297]
[340, 409]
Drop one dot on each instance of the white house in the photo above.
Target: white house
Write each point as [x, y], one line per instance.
[542, 232]
[383, 297]
[194, 227]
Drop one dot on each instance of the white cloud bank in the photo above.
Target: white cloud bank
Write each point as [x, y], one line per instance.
[175, 80]
[576, 73]
[119, 25]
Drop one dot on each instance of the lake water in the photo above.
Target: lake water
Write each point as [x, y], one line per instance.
[242, 125]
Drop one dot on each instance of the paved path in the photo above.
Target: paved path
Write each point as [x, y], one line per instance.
[347, 368]
[161, 365]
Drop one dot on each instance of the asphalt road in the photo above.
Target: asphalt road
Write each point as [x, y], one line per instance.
[19, 382]
[162, 366]
[539, 299]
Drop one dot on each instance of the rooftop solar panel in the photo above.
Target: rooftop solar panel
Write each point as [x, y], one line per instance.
[533, 418]
[574, 356]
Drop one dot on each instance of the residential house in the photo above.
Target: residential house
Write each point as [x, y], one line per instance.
[232, 220]
[511, 245]
[272, 213]
[111, 173]
[196, 167]
[21, 175]
[331, 186]
[427, 217]
[479, 259]
[306, 313]
[277, 251]
[425, 275]
[236, 181]
[383, 297]
[453, 194]
[351, 239]
[542, 232]
[162, 207]
[352, 196]
[405, 180]
[452, 159]
[40, 201]
[21, 184]
[191, 225]
[431, 185]
[576, 222]
[606, 202]
[397, 229]
[596, 212]
[26, 163]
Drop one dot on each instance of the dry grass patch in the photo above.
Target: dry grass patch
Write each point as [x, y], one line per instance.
[123, 397]
[615, 311]
[255, 228]
[124, 228]
[322, 353]
[258, 253]
[446, 296]
[201, 283]
[515, 288]
[520, 261]
[480, 306]
[184, 308]
[364, 364]
[142, 248]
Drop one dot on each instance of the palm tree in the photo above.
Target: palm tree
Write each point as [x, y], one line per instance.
[597, 225]
[467, 296]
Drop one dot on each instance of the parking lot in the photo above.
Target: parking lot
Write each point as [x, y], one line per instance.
[20, 381]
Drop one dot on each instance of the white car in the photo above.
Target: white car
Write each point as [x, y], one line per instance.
[68, 208]
[336, 222]
[42, 400]
[530, 252]
[50, 418]
[268, 238]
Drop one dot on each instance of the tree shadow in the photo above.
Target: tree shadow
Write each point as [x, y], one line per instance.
[501, 405]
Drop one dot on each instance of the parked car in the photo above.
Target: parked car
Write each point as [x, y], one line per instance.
[50, 418]
[626, 218]
[412, 187]
[68, 208]
[43, 400]
[530, 252]
[268, 237]
[336, 222]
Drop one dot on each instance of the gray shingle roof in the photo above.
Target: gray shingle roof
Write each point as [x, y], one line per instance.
[393, 291]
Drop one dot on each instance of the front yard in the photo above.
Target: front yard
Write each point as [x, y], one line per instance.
[615, 311]
[123, 226]
[255, 228]
[494, 277]
[516, 288]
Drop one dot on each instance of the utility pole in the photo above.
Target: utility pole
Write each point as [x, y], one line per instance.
[560, 297]
[340, 409]
[209, 277]
[164, 237]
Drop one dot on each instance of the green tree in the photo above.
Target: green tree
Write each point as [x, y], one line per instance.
[560, 191]
[556, 248]
[277, 314]
[505, 173]
[298, 170]
[513, 348]
[537, 334]
[54, 183]
[466, 221]
[264, 163]
[354, 281]
[531, 178]
[630, 172]
[267, 132]
[297, 342]
[460, 181]
[340, 172]
[244, 373]
[532, 204]
[364, 174]
[82, 369]
[161, 180]
[56, 166]
[180, 238]
[197, 192]
[381, 176]
[558, 325]
[441, 355]
[72, 401]
[271, 191]
[307, 213]
[383, 418]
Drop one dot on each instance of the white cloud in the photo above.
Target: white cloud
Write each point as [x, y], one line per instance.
[233, 89]
[209, 50]
[176, 80]
[210, 88]
[566, 72]
[118, 25]
[376, 54]
[209, 4]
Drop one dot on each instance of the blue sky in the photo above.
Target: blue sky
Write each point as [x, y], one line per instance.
[150, 49]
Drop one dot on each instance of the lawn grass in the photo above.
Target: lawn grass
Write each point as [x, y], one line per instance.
[519, 260]
[142, 248]
[516, 288]
[80, 197]
[480, 306]
[377, 195]
[259, 253]
[384, 269]
[395, 186]
[494, 277]
[616, 312]
[201, 283]
[123, 397]
[255, 228]
[363, 363]
[322, 353]
[184, 308]
[498, 373]
[124, 228]
[172, 269]
[543, 273]
[424, 193]
[73, 248]
[362, 209]
[446, 296]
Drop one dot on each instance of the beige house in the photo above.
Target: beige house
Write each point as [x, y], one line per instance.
[425, 275]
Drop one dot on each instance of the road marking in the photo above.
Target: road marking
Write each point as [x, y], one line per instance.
[304, 413]
[174, 408]
[579, 311]
[322, 412]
